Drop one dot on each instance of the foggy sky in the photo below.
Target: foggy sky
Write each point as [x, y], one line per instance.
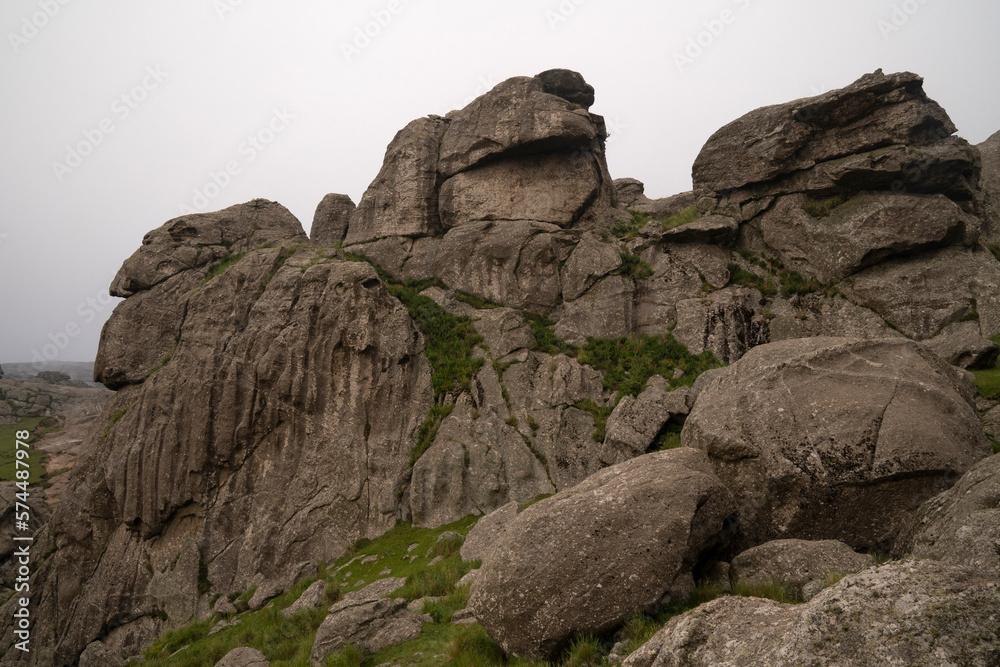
[155, 97]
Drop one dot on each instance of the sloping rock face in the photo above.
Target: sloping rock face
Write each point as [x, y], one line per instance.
[278, 432]
[828, 438]
[989, 207]
[624, 540]
[370, 625]
[960, 526]
[904, 613]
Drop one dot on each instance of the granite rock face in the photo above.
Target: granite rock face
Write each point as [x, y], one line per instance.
[828, 438]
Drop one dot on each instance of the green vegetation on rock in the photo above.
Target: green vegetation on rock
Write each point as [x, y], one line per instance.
[821, 208]
[634, 267]
[8, 453]
[628, 363]
[687, 215]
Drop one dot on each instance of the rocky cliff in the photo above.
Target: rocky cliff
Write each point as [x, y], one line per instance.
[498, 320]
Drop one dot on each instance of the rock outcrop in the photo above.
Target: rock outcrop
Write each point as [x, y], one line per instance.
[624, 540]
[827, 438]
[920, 613]
[370, 625]
[961, 526]
[277, 431]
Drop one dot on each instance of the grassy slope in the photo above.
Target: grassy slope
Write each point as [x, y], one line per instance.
[36, 459]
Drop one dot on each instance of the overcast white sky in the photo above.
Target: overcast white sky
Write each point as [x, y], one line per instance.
[164, 94]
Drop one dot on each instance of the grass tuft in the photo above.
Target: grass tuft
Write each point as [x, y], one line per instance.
[687, 215]
[628, 363]
[822, 208]
[634, 267]
[771, 590]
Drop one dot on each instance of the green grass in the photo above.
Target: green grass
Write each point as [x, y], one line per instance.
[475, 301]
[740, 276]
[600, 413]
[545, 338]
[821, 208]
[771, 590]
[988, 383]
[687, 215]
[634, 267]
[628, 363]
[287, 642]
[8, 451]
[993, 248]
[220, 267]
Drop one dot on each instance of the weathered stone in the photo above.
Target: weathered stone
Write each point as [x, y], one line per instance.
[332, 217]
[97, 654]
[631, 195]
[513, 263]
[517, 116]
[402, 200]
[311, 598]
[568, 85]
[198, 240]
[960, 344]
[504, 330]
[591, 260]
[828, 438]
[795, 563]
[864, 231]
[919, 613]
[555, 188]
[960, 526]
[477, 463]
[989, 182]
[464, 617]
[487, 531]
[389, 253]
[379, 588]
[679, 272]
[715, 229]
[875, 111]
[991, 422]
[283, 426]
[370, 625]
[634, 424]
[816, 314]
[243, 657]
[725, 323]
[545, 390]
[562, 567]
[606, 310]
[922, 295]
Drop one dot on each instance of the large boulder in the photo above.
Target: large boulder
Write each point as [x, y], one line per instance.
[875, 111]
[484, 535]
[624, 540]
[517, 116]
[796, 563]
[831, 438]
[635, 423]
[920, 613]
[960, 526]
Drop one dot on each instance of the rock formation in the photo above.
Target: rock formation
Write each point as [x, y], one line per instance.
[475, 334]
